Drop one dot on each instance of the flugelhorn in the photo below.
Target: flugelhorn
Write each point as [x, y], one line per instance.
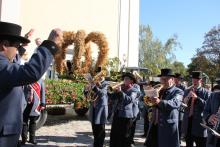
[151, 93]
[91, 96]
[185, 101]
[112, 86]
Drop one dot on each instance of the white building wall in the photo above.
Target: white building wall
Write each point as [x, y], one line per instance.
[133, 51]
[72, 15]
[117, 19]
[10, 11]
[129, 32]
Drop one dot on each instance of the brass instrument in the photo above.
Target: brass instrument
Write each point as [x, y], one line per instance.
[150, 93]
[91, 96]
[112, 86]
[216, 128]
[137, 75]
[185, 101]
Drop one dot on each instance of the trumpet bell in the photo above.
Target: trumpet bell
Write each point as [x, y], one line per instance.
[113, 85]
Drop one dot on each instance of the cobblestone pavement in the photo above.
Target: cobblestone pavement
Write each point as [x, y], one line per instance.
[74, 131]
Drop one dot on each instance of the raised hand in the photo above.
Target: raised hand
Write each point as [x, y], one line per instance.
[29, 34]
[56, 35]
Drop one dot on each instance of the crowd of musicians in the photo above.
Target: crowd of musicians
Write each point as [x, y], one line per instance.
[176, 113]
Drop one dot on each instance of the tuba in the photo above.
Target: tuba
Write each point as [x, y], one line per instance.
[150, 93]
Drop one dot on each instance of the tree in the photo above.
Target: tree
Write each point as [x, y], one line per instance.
[201, 63]
[208, 56]
[178, 67]
[211, 45]
[153, 54]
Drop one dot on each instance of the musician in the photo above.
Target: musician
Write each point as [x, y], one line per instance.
[146, 109]
[164, 124]
[195, 97]
[216, 88]
[178, 82]
[136, 104]
[210, 116]
[124, 111]
[98, 108]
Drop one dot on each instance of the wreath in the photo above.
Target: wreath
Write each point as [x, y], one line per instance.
[82, 44]
[68, 39]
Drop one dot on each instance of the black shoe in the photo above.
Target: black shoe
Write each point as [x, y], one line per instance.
[33, 141]
[144, 135]
[19, 144]
[23, 141]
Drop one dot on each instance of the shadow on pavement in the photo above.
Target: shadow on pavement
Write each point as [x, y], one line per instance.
[62, 119]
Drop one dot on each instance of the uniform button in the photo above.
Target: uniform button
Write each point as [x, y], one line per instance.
[53, 47]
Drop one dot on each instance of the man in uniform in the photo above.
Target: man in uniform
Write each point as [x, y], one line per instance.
[164, 124]
[195, 98]
[99, 108]
[178, 82]
[13, 76]
[124, 111]
[212, 118]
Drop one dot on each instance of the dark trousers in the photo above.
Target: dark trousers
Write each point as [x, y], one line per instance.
[9, 140]
[218, 142]
[133, 127]
[152, 137]
[179, 128]
[120, 132]
[146, 123]
[99, 134]
[190, 139]
[29, 123]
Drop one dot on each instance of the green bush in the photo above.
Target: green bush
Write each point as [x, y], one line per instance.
[63, 91]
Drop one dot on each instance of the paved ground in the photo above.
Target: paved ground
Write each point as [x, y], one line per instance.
[73, 131]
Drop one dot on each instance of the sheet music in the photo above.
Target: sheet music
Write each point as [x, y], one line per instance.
[151, 93]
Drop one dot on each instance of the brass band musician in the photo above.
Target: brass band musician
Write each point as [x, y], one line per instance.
[178, 82]
[164, 124]
[123, 113]
[212, 117]
[195, 98]
[98, 111]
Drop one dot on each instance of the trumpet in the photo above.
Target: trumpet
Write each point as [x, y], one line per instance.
[153, 92]
[113, 86]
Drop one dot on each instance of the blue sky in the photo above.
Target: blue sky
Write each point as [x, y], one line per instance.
[189, 19]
